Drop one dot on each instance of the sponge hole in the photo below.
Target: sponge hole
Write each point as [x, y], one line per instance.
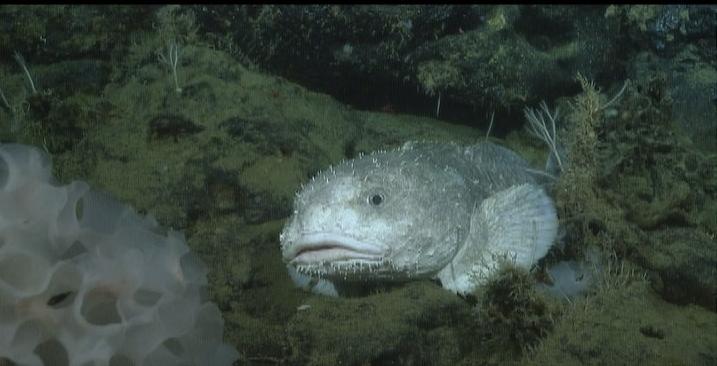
[174, 346]
[146, 297]
[99, 307]
[74, 250]
[121, 360]
[61, 300]
[28, 335]
[4, 176]
[193, 269]
[52, 352]
[22, 272]
[63, 287]
[79, 208]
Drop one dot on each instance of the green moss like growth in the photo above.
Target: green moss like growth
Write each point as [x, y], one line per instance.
[634, 180]
[511, 314]
[626, 323]
[589, 217]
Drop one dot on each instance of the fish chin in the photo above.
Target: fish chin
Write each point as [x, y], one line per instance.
[327, 254]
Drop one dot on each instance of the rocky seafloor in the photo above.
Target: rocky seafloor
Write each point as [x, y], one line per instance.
[266, 96]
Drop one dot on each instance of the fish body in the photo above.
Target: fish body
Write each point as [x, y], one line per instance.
[425, 210]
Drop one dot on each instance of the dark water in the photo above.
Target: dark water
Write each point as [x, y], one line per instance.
[210, 118]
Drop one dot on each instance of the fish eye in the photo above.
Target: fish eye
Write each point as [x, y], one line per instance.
[375, 199]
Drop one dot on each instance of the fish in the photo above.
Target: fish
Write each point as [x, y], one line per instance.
[426, 210]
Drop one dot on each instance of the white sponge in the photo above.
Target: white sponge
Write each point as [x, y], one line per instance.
[86, 281]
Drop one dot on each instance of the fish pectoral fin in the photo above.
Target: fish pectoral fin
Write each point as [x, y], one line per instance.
[518, 224]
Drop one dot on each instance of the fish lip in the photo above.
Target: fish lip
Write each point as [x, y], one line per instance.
[342, 247]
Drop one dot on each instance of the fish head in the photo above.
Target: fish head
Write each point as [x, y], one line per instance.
[386, 216]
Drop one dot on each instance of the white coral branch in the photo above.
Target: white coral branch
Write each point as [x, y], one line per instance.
[538, 123]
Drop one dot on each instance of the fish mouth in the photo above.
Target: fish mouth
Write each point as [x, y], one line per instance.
[319, 248]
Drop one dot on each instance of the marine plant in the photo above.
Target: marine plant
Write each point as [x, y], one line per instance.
[539, 127]
[21, 61]
[171, 59]
[580, 203]
[511, 312]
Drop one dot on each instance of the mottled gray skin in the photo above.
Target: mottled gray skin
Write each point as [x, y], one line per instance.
[396, 215]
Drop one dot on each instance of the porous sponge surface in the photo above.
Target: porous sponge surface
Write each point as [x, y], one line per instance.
[86, 281]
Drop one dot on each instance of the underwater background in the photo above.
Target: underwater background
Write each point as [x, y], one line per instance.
[211, 117]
